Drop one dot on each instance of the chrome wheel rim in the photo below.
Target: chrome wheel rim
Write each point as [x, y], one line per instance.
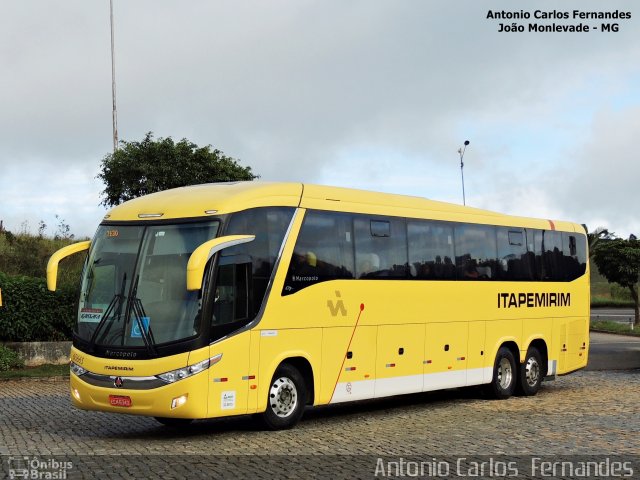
[532, 371]
[505, 373]
[283, 397]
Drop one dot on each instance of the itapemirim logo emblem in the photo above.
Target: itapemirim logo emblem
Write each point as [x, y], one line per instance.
[337, 307]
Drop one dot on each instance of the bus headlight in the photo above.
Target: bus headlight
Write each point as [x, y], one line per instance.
[76, 369]
[180, 373]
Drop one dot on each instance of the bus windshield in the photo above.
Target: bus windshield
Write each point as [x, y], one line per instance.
[134, 285]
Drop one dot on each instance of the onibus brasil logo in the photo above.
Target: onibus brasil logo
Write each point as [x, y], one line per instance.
[38, 468]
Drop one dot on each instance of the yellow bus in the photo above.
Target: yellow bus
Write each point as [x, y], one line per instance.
[255, 297]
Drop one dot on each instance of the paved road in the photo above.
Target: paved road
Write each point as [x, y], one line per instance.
[590, 413]
[587, 413]
[622, 315]
[613, 352]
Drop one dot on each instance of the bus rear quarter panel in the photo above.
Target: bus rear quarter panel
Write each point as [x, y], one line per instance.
[384, 337]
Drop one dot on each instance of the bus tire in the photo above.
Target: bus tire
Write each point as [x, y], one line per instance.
[503, 383]
[530, 376]
[174, 422]
[286, 398]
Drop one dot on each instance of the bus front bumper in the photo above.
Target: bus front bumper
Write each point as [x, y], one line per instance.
[186, 398]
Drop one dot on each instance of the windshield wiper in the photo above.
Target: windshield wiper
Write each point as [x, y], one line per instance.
[135, 307]
[116, 300]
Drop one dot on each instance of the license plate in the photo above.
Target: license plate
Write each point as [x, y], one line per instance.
[119, 401]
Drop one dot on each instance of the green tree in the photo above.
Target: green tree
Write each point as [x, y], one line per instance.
[618, 260]
[140, 168]
[594, 238]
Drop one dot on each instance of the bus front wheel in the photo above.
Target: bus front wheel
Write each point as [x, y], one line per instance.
[503, 383]
[530, 376]
[286, 398]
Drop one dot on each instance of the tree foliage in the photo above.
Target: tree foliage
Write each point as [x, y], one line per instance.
[595, 237]
[618, 260]
[31, 313]
[140, 168]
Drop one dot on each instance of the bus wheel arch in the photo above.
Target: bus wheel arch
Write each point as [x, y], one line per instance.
[532, 371]
[304, 367]
[541, 346]
[290, 390]
[505, 371]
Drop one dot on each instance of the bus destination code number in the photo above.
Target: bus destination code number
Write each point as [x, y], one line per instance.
[112, 233]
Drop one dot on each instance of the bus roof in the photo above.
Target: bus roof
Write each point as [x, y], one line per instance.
[221, 198]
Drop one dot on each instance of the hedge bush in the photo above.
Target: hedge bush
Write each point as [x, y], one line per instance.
[9, 359]
[30, 312]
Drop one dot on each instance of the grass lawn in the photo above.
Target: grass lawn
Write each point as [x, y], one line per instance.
[33, 372]
[606, 295]
[614, 327]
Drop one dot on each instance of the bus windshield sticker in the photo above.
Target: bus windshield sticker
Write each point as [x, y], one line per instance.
[92, 315]
[135, 329]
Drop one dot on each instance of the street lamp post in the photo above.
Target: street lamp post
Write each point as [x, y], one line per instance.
[461, 151]
[114, 113]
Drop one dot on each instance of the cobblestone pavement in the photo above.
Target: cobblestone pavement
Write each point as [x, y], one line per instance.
[587, 413]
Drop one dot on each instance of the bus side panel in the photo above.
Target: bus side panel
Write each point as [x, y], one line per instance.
[445, 355]
[578, 333]
[254, 367]
[399, 363]
[477, 374]
[229, 378]
[573, 345]
[276, 346]
[536, 328]
[499, 332]
[355, 378]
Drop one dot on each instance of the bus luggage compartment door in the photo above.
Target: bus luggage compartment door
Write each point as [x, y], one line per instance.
[399, 359]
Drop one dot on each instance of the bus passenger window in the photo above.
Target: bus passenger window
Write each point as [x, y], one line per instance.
[476, 252]
[574, 261]
[323, 251]
[431, 250]
[269, 225]
[552, 256]
[581, 254]
[514, 262]
[381, 247]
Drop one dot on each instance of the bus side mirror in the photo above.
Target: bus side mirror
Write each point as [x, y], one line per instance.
[201, 255]
[52, 266]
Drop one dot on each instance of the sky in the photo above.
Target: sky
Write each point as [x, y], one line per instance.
[370, 94]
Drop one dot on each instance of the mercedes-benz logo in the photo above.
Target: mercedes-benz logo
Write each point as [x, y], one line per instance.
[118, 382]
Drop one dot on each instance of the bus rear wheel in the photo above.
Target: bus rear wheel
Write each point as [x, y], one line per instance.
[286, 399]
[503, 382]
[530, 376]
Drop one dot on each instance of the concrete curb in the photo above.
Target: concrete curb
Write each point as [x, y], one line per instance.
[41, 353]
[625, 334]
[55, 378]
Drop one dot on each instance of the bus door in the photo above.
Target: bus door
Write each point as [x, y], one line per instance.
[229, 379]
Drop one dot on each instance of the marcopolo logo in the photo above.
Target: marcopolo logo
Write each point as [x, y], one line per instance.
[38, 468]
